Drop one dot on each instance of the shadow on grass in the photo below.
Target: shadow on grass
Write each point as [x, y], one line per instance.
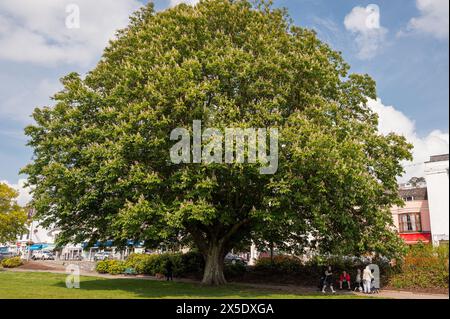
[46, 285]
[139, 288]
[164, 289]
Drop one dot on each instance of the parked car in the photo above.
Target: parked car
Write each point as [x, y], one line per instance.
[234, 259]
[102, 255]
[4, 255]
[43, 255]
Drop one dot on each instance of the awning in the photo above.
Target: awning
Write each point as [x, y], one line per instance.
[108, 243]
[135, 243]
[48, 246]
[35, 247]
[414, 238]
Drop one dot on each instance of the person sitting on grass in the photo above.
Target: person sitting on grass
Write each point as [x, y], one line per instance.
[328, 281]
[345, 278]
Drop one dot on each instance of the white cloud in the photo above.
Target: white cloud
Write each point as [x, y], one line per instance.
[364, 23]
[36, 32]
[392, 120]
[434, 18]
[328, 31]
[20, 105]
[24, 192]
[177, 2]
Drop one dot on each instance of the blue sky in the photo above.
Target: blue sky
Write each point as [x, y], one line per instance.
[411, 71]
[402, 44]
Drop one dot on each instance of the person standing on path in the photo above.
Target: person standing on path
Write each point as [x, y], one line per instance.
[328, 281]
[367, 279]
[358, 281]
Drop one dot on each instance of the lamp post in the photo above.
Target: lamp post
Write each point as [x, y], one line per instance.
[31, 212]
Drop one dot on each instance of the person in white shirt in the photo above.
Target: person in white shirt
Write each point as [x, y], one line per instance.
[358, 280]
[367, 279]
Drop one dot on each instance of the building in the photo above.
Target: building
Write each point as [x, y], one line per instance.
[436, 175]
[36, 238]
[413, 220]
[424, 218]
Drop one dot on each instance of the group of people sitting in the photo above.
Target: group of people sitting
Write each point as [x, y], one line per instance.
[364, 281]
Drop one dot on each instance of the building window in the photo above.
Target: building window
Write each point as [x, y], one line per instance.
[409, 223]
[408, 198]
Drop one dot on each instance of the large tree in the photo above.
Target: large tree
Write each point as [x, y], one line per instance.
[102, 167]
[13, 218]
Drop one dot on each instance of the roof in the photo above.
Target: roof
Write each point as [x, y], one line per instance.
[419, 193]
[438, 158]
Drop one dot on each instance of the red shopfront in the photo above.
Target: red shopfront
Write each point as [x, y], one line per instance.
[414, 238]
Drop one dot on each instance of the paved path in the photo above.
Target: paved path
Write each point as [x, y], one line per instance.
[394, 294]
[389, 294]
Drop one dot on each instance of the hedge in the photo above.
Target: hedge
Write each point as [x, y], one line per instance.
[287, 264]
[183, 264]
[113, 267]
[424, 266]
[12, 262]
[234, 270]
[279, 263]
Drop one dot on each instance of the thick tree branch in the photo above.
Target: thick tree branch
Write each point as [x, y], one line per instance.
[199, 240]
[233, 230]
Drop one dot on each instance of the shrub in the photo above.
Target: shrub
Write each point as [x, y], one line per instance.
[144, 264]
[234, 270]
[137, 262]
[183, 264]
[113, 267]
[102, 267]
[152, 265]
[424, 266]
[280, 263]
[286, 268]
[190, 263]
[116, 267]
[12, 262]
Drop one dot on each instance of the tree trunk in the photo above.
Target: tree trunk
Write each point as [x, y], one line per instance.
[214, 259]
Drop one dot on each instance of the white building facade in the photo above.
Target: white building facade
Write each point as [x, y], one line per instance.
[436, 175]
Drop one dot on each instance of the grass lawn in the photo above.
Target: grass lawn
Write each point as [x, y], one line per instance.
[19, 285]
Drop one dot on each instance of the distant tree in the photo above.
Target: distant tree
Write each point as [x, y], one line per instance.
[102, 168]
[13, 218]
[416, 181]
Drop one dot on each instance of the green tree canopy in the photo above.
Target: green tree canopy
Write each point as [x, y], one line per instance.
[12, 217]
[102, 168]
[416, 181]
